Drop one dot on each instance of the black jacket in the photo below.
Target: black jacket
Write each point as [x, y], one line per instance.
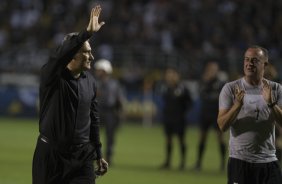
[68, 106]
[177, 101]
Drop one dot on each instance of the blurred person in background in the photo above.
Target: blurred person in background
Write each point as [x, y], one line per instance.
[271, 73]
[110, 102]
[176, 102]
[251, 108]
[210, 86]
[69, 139]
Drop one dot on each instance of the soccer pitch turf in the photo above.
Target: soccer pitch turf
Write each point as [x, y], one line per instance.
[138, 154]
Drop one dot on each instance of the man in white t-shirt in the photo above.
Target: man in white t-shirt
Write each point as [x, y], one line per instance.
[252, 106]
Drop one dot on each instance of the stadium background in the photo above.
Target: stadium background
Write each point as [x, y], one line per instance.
[140, 38]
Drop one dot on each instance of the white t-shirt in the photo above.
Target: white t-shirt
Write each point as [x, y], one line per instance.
[252, 135]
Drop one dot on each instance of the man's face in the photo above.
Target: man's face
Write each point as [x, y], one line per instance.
[211, 71]
[84, 57]
[171, 77]
[254, 62]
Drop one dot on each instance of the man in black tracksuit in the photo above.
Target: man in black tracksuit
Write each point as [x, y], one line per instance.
[176, 102]
[69, 139]
[210, 86]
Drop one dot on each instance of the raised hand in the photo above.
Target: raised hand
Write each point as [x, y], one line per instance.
[94, 24]
[267, 92]
[239, 95]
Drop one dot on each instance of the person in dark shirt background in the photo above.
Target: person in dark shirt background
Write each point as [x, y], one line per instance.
[69, 139]
[210, 87]
[176, 102]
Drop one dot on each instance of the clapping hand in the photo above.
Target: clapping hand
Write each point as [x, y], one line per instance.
[267, 92]
[239, 95]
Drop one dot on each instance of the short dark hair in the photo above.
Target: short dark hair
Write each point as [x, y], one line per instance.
[70, 36]
[264, 50]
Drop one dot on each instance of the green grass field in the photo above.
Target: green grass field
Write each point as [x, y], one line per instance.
[138, 154]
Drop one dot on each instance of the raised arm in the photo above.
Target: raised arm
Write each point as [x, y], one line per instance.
[70, 46]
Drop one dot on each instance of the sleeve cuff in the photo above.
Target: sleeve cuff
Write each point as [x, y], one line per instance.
[86, 35]
[98, 150]
[99, 153]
